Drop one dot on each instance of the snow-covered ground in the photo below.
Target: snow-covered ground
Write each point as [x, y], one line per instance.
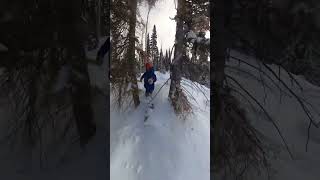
[78, 164]
[72, 163]
[166, 146]
[289, 116]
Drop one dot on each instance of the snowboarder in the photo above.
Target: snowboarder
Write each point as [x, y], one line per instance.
[149, 79]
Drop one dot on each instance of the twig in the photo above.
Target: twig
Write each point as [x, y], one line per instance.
[295, 95]
[267, 75]
[159, 90]
[266, 113]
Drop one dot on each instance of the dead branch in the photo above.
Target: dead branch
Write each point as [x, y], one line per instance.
[266, 113]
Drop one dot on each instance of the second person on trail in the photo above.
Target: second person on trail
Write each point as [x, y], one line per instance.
[149, 79]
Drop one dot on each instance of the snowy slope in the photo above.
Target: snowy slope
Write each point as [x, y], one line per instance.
[166, 147]
[289, 116]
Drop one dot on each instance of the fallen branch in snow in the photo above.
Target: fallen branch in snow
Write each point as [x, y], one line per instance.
[258, 69]
[299, 99]
[245, 98]
[312, 107]
[193, 84]
[255, 49]
[190, 95]
[307, 112]
[266, 113]
[250, 74]
[159, 90]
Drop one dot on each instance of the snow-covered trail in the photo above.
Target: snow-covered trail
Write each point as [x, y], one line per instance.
[166, 147]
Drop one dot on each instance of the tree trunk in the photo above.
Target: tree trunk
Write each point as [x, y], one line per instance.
[102, 18]
[147, 28]
[74, 35]
[179, 53]
[131, 53]
[98, 19]
[220, 49]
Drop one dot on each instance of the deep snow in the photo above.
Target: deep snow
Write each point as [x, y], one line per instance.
[289, 116]
[166, 146]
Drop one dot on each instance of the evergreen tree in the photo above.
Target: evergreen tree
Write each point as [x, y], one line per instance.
[156, 58]
[177, 97]
[148, 45]
[59, 44]
[131, 52]
[166, 61]
[154, 47]
[161, 60]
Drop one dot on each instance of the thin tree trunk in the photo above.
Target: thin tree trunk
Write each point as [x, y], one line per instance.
[146, 40]
[178, 54]
[98, 19]
[131, 53]
[102, 18]
[75, 34]
[220, 49]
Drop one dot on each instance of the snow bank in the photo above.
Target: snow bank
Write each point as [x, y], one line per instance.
[166, 147]
[287, 113]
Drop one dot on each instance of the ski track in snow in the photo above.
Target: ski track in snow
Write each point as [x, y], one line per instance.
[164, 147]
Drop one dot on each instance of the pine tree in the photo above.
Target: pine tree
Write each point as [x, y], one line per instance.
[161, 60]
[59, 43]
[166, 61]
[131, 52]
[151, 4]
[156, 58]
[177, 97]
[148, 45]
[105, 18]
[154, 47]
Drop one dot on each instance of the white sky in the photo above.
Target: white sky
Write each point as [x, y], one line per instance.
[160, 16]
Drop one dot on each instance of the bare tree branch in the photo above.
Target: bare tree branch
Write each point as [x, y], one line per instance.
[266, 113]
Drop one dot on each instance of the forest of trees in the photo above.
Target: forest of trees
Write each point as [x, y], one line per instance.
[39, 39]
[42, 39]
[188, 58]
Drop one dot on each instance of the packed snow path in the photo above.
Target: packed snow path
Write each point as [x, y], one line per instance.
[165, 147]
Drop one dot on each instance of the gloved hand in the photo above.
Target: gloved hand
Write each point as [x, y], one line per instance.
[150, 81]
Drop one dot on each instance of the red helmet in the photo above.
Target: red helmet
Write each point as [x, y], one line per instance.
[148, 66]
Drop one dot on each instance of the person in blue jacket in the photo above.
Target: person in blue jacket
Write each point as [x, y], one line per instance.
[149, 79]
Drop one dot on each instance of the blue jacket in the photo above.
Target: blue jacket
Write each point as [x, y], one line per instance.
[147, 75]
